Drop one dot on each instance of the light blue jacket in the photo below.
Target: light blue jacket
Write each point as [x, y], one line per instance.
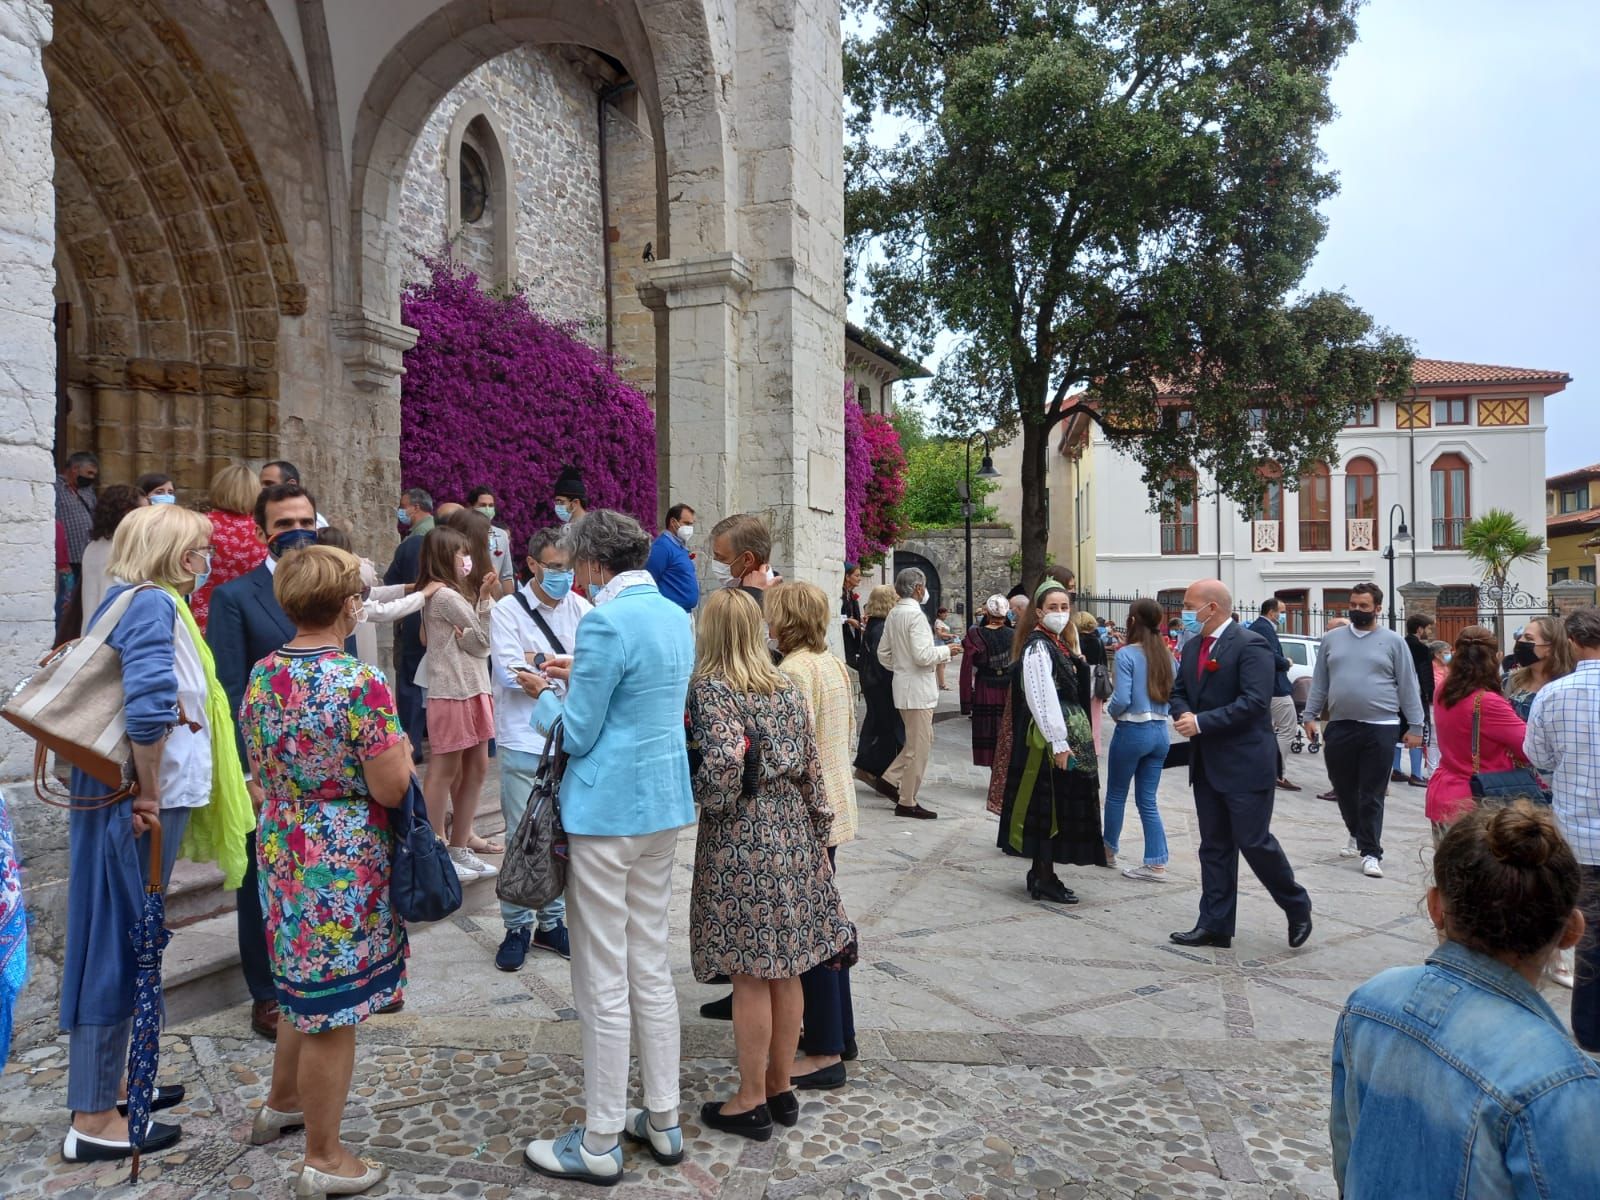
[1456, 1079]
[628, 768]
[1132, 694]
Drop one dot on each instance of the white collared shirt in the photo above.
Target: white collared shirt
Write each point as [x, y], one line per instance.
[513, 638]
[621, 582]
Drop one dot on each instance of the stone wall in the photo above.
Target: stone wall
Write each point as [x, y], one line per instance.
[547, 110]
[946, 549]
[631, 231]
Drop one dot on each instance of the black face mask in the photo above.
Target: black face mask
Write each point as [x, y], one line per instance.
[1525, 653]
[1362, 619]
[291, 539]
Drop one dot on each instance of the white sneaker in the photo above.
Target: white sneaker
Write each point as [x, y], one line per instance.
[1371, 867]
[469, 865]
[1349, 850]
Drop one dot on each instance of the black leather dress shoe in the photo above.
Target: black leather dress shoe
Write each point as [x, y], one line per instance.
[80, 1147]
[1299, 931]
[821, 1079]
[1201, 936]
[718, 1010]
[163, 1097]
[755, 1124]
[785, 1109]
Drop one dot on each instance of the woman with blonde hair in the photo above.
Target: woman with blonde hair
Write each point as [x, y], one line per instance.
[883, 733]
[1542, 653]
[797, 617]
[763, 909]
[1094, 653]
[233, 532]
[190, 785]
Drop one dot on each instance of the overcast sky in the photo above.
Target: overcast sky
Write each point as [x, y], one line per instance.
[1468, 152]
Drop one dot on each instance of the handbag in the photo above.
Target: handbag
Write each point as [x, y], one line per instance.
[1105, 686]
[534, 870]
[73, 705]
[423, 885]
[1519, 783]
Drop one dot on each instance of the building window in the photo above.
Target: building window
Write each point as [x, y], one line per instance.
[1269, 508]
[1179, 418]
[1450, 410]
[1171, 601]
[1560, 574]
[1316, 509]
[1572, 499]
[1413, 414]
[1452, 500]
[1361, 504]
[1586, 575]
[1363, 415]
[474, 186]
[1335, 603]
[1257, 418]
[1180, 518]
[864, 396]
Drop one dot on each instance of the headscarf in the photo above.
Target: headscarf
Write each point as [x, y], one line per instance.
[997, 607]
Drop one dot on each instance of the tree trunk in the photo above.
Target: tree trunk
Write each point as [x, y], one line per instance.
[1035, 532]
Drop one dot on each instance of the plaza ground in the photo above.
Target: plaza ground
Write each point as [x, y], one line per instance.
[1008, 1048]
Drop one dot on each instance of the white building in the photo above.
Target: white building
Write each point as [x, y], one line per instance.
[1469, 438]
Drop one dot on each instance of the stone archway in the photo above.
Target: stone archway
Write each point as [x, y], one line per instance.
[170, 252]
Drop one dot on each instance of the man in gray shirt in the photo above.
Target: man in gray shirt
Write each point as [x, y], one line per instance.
[1364, 684]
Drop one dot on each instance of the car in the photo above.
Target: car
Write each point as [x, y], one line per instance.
[1302, 654]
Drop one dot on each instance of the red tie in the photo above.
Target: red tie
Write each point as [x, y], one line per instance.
[1205, 655]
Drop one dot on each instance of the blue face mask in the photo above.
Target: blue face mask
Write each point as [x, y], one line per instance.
[1283, 619]
[594, 590]
[163, 498]
[402, 516]
[1191, 621]
[291, 539]
[200, 579]
[563, 513]
[555, 584]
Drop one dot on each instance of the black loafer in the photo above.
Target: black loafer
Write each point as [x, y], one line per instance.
[822, 1079]
[1201, 936]
[164, 1097]
[755, 1124]
[785, 1109]
[1299, 931]
[718, 1010]
[80, 1147]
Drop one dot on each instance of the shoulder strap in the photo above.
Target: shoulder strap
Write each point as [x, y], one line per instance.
[1477, 719]
[543, 625]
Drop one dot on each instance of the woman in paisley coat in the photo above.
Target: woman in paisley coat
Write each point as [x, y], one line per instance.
[1051, 812]
[763, 909]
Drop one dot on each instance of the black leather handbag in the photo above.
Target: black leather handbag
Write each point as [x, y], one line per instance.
[534, 870]
[423, 885]
[1519, 783]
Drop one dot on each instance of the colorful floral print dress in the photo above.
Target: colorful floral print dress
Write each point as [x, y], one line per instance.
[310, 720]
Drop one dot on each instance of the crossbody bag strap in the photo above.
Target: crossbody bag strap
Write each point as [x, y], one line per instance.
[544, 626]
[1477, 717]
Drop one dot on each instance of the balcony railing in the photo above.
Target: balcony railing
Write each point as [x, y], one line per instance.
[1358, 533]
[1179, 539]
[1316, 535]
[1448, 531]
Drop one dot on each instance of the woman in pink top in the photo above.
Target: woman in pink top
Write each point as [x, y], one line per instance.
[1473, 683]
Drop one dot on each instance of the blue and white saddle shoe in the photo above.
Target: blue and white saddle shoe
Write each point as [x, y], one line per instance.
[666, 1145]
[566, 1158]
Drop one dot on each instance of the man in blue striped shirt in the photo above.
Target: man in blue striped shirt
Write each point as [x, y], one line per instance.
[1561, 742]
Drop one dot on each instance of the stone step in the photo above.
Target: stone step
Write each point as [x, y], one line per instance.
[195, 893]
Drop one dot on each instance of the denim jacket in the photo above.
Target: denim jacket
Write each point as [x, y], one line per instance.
[1132, 694]
[1456, 1080]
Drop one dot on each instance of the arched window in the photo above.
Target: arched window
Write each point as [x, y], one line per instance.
[1316, 509]
[474, 185]
[1360, 504]
[1269, 509]
[1180, 518]
[481, 216]
[1452, 500]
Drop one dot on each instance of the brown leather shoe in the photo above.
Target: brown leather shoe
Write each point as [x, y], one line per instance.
[1333, 796]
[264, 1019]
[1285, 786]
[916, 811]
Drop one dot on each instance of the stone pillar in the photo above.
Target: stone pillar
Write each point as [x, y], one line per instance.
[1570, 595]
[1419, 596]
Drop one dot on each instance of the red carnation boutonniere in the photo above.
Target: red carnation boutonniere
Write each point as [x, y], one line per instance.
[1212, 665]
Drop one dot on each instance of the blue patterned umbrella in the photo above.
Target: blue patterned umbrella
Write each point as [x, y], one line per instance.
[150, 937]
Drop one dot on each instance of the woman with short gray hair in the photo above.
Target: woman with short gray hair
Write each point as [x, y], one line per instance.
[624, 796]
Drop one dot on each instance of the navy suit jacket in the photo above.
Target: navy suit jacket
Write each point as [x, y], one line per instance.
[404, 568]
[1235, 751]
[1269, 633]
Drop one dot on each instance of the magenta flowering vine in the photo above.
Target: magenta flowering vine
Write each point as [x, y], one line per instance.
[874, 482]
[496, 395]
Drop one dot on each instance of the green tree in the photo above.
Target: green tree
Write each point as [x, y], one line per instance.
[1121, 194]
[934, 471]
[1496, 542]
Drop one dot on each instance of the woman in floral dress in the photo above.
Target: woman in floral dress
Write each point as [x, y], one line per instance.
[763, 909]
[325, 742]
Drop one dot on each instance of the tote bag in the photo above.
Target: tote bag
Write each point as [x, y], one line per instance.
[423, 885]
[534, 870]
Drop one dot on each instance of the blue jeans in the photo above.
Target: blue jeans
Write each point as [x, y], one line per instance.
[1416, 759]
[517, 769]
[1138, 752]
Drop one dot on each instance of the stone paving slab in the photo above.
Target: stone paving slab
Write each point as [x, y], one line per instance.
[1008, 1048]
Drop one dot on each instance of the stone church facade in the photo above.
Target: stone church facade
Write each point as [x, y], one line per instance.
[210, 207]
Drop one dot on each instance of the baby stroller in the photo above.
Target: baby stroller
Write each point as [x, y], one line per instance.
[1302, 691]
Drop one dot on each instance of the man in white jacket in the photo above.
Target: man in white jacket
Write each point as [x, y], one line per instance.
[908, 649]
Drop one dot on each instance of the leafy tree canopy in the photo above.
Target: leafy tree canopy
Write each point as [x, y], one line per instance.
[1107, 202]
[934, 472]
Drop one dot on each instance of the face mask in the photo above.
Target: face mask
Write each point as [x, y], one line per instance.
[465, 565]
[163, 498]
[555, 584]
[488, 512]
[563, 513]
[1447, 659]
[290, 539]
[1055, 622]
[200, 579]
[594, 591]
[1362, 620]
[685, 532]
[1525, 653]
[1191, 621]
[1283, 619]
[721, 572]
[402, 516]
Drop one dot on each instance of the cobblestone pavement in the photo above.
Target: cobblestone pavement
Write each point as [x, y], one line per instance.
[1008, 1048]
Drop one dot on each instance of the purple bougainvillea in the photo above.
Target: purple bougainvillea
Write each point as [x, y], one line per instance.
[874, 482]
[496, 395]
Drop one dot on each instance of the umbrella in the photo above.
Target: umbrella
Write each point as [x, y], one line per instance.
[150, 936]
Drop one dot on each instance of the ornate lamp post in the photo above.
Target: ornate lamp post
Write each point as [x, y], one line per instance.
[985, 471]
[1402, 536]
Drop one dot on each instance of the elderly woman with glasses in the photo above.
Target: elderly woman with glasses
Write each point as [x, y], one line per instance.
[190, 784]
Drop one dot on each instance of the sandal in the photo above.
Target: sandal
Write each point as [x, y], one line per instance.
[480, 845]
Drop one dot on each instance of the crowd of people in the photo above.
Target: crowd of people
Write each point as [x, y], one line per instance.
[267, 738]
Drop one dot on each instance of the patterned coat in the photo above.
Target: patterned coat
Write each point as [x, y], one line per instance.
[826, 685]
[763, 901]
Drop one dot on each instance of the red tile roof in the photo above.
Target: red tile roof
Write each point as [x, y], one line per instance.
[1576, 475]
[1557, 524]
[1431, 372]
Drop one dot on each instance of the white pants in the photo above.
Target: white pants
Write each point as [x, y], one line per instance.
[1283, 724]
[618, 893]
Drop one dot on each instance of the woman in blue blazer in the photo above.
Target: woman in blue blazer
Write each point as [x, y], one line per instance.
[620, 700]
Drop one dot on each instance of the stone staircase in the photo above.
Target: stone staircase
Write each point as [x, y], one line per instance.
[200, 971]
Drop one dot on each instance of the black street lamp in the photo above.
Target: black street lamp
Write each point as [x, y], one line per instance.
[1402, 535]
[985, 471]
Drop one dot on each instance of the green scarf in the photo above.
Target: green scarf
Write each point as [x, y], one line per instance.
[217, 831]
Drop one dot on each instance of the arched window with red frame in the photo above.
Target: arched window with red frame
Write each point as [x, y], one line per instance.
[1316, 509]
[1452, 500]
[1360, 504]
[1270, 506]
[1180, 517]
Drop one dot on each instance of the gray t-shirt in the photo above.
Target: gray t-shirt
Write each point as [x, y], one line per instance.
[1366, 678]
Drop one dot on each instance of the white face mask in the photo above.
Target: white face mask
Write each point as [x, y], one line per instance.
[685, 532]
[1055, 622]
[721, 572]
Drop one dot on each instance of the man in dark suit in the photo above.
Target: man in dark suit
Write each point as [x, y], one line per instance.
[415, 510]
[245, 626]
[1283, 714]
[1221, 700]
